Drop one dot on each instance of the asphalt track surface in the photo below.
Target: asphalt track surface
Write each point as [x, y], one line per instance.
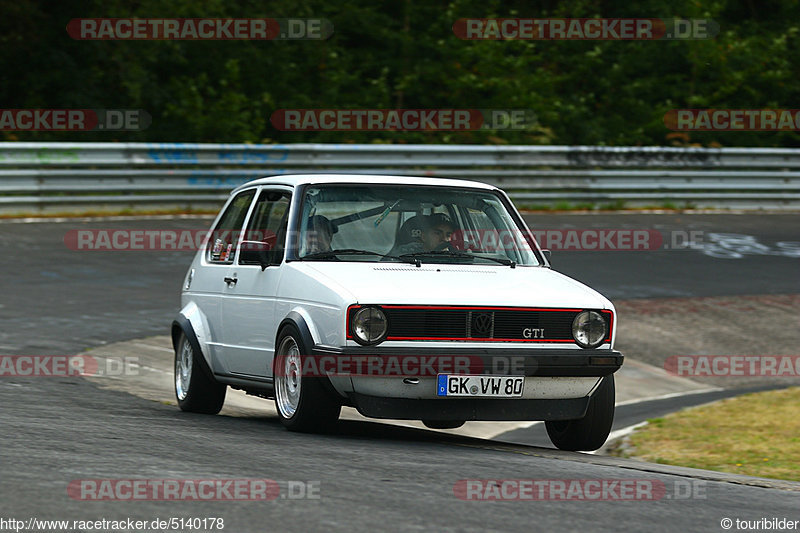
[764, 267]
[371, 476]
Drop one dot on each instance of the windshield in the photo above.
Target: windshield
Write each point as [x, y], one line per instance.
[409, 223]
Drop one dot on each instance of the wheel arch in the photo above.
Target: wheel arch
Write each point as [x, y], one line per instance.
[301, 323]
[296, 319]
[182, 324]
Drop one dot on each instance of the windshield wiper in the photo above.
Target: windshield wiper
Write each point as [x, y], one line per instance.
[332, 254]
[450, 253]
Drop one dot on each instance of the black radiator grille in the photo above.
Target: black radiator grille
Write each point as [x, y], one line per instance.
[408, 322]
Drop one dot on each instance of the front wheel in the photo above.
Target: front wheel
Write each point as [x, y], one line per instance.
[302, 402]
[196, 392]
[590, 432]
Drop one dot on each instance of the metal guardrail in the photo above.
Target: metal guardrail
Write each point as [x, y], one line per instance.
[65, 176]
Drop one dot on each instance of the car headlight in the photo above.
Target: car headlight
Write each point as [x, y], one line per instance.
[589, 329]
[369, 325]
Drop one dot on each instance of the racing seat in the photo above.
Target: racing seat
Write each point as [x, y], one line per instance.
[410, 231]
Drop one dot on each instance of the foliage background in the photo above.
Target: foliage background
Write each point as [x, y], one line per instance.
[403, 54]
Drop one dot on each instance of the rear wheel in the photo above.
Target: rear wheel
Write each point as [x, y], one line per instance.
[196, 392]
[590, 432]
[302, 402]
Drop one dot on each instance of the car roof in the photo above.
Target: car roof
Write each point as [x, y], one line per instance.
[294, 180]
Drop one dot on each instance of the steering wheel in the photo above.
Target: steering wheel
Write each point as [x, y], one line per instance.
[445, 246]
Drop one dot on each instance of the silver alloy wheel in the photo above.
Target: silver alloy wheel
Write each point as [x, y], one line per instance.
[288, 378]
[183, 370]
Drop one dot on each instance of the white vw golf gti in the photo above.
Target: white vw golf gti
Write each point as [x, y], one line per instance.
[407, 298]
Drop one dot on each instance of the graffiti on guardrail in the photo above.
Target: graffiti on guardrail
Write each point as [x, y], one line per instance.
[253, 157]
[42, 155]
[601, 156]
[737, 246]
[145, 168]
[176, 153]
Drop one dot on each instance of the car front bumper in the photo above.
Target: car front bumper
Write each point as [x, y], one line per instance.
[470, 408]
[558, 383]
[524, 361]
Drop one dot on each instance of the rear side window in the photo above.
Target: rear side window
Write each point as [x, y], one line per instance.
[222, 243]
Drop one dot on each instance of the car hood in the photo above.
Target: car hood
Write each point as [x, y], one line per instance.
[441, 284]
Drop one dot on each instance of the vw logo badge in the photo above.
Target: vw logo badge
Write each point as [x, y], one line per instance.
[482, 325]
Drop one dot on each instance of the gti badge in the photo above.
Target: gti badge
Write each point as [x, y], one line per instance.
[533, 333]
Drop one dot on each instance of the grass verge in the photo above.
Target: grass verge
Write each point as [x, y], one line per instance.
[754, 434]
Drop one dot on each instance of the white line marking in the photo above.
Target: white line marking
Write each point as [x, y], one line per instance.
[152, 347]
[153, 369]
[666, 396]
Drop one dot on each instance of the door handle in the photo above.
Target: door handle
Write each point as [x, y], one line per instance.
[231, 280]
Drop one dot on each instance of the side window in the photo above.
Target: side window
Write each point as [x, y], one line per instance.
[222, 244]
[267, 226]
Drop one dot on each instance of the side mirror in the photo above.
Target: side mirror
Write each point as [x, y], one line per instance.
[548, 255]
[259, 253]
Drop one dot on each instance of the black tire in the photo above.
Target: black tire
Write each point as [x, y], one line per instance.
[303, 403]
[443, 424]
[195, 391]
[590, 432]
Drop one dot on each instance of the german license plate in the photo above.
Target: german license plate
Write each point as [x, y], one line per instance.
[480, 386]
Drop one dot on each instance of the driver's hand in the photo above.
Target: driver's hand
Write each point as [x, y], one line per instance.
[445, 246]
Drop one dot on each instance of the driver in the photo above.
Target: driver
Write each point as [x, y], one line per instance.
[437, 230]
